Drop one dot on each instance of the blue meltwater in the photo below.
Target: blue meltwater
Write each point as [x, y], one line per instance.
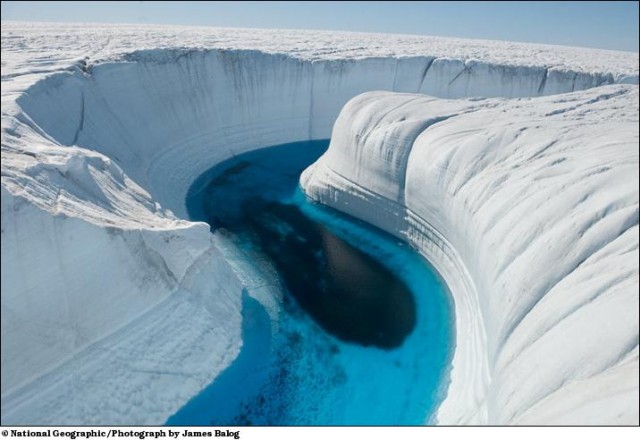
[363, 328]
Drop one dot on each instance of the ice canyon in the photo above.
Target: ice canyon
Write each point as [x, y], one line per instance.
[511, 168]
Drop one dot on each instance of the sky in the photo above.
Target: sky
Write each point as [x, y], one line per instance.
[606, 24]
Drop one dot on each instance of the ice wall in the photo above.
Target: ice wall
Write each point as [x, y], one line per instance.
[111, 306]
[529, 209]
[109, 299]
[166, 116]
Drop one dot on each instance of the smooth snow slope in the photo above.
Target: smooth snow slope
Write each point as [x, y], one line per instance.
[114, 308]
[529, 209]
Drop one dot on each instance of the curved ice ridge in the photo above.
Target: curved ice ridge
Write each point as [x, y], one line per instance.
[529, 210]
[114, 309]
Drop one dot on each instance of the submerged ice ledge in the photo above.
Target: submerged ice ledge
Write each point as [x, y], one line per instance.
[95, 153]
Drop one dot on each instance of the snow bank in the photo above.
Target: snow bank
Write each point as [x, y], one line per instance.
[529, 209]
[114, 309]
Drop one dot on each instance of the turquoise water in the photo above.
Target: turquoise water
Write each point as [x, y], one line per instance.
[362, 333]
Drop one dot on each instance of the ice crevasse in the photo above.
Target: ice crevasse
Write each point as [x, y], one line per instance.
[116, 309]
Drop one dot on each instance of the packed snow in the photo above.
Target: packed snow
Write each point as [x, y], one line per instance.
[117, 310]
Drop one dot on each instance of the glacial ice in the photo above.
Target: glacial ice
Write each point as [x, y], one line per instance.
[115, 309]
[529, 209]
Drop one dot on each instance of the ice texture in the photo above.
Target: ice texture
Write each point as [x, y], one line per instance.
[529, 210]
[118, 310]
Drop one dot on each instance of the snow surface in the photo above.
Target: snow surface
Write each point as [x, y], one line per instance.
[115, 309]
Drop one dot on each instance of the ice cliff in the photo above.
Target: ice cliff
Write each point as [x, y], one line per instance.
[116, 309]
[529, 209]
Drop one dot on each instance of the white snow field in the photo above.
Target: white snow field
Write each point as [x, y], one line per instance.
[117, 310]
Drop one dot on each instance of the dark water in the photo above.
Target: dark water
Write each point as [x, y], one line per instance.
[347, 292]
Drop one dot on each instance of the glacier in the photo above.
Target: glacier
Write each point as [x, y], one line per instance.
[116, 309]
